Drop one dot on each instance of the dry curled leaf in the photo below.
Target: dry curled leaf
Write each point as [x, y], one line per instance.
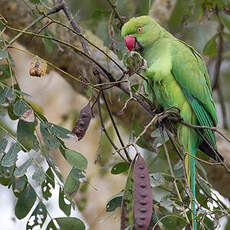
[38, 67]
[83, 121]
[28, 116]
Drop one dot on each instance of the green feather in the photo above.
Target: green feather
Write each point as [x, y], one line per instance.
[179, 78]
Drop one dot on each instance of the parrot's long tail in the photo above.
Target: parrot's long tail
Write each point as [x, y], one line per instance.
[190, 165]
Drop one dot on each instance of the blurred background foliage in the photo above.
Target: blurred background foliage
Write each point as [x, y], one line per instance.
[203, 24]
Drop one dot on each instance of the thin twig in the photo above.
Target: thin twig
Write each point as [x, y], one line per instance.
[91, 43]
[51, 11]
[206, 127]
[115, 127]
[57, 68]
[104, 129]
[145, 130]
[116, 12]
[130, 98]
[173, 175]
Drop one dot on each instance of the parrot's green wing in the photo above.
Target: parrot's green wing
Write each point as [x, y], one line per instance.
[190, 72]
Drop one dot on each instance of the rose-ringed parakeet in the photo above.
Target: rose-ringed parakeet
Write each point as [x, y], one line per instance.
[178, 76]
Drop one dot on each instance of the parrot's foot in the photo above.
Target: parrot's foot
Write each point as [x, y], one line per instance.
[170, 114]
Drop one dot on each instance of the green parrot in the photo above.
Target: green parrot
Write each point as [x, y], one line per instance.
[178, 76]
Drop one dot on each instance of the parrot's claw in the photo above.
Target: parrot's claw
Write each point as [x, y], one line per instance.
[170, 114]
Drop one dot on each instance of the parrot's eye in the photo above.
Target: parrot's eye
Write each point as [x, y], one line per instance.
[139, 30]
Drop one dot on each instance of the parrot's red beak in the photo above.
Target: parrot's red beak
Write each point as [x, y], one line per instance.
[130, 42]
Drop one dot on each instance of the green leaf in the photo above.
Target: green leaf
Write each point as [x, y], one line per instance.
[4, 71]
[120, 168]
[20, 107]
[159, 140]
[156, 133]
[209, 223]
[65, 207]
[3, 53]
[7, 93]
[137, 130]
[227, 226]
[202, 199]
[38, 217]
[201, 168]
[52, 226]
[205, 187]
[19, 185]
[226, 35]
[48, 184]
[66, 223]
[20, 171]
[225, 21]
[174, 222]
[5, 181]
[3, 144]
[210, 47]
[72, 182]
[58, 131]
[35, 1]
[10, 158]
[179, 169]
[76, 159]
[25, 135]
[156, 179]
[41, 117]
[51, 141]
[38, 175]
[114, 202]
[127, 218]
[52, 164]
[46, 4]
[25, 202]
[11, 113]
[135, 88]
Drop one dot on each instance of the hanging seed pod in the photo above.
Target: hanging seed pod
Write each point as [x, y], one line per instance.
[38, 67]
[143, 204]
[127, 201]
[83, 121]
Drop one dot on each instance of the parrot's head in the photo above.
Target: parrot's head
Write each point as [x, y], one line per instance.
[140, 32]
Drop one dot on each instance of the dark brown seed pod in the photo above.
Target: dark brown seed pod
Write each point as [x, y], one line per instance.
[143, 206]
[83, 121]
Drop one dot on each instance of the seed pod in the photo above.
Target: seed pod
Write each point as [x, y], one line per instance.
[143, 204]
[83, 121]
[127, 201]
[38, 67]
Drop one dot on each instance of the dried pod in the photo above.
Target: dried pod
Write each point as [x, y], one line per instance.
[143, 205]
[83, 121]
[38, 67]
